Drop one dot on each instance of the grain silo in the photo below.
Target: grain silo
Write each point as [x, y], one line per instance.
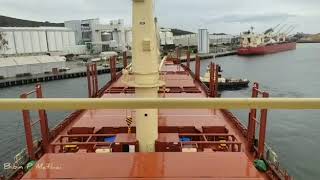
[203, 41]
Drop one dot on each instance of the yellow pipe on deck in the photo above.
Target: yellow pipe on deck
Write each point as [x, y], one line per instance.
[161, 103]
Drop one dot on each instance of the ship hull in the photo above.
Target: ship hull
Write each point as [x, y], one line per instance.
[267, 49]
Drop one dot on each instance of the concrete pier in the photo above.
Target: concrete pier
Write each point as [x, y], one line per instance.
[8, 82]
[208, 56]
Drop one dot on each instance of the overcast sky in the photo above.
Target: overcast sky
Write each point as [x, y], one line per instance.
[230, 16]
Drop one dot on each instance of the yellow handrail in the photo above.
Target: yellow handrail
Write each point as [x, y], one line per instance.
[162, 103]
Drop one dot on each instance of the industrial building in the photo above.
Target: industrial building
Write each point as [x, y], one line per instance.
[114, 36]
[186, 40]
[30, 65]
[220, 38]
[102, 37]
[166, 37]
[34, 40]
[192, 39]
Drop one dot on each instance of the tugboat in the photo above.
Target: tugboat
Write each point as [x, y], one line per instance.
[266, 43]
[225, 83]
[149, 143]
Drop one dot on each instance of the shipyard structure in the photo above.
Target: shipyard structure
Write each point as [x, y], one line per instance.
[88, 40]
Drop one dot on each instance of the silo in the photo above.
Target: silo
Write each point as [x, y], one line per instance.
[65, 39]
[11, 48]
[162, 38]
[51, 41]
[203, 41]
[72, 38]
[59, 41]
[19, 42]
[36, 47]
[128, 37]
[105, 36]
[43, 41]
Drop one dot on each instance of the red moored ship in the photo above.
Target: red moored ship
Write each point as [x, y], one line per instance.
[267, 43]
[267, 49]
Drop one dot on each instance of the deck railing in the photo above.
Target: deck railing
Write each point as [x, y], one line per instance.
[160, 103]
[163, 103]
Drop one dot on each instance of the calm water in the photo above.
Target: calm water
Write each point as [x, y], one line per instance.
[11, 125]
[294, 135]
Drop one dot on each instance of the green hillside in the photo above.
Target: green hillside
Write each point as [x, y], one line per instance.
[14, 22]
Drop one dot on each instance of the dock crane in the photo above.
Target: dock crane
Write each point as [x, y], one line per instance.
[276, 27]
[280, 29]
[271, 30]
[289, 30]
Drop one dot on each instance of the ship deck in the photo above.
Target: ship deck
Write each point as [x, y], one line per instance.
[217, 147]
[145, 166]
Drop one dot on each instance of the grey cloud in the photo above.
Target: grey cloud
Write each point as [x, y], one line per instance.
[227, 15]
[250, 18]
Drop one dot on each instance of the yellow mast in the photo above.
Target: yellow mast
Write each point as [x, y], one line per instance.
[145, 69]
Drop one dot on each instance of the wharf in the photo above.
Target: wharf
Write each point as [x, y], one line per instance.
[81, 72]
[208, 56]
[73, 73]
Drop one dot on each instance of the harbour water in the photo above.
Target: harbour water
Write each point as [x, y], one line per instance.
[294, 135]
[11, 125]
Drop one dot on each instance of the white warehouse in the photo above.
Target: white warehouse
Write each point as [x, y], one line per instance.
[186, 40]
[30, 40]
[220, 38]
[192, 39]
[166, 37]
[13, 66]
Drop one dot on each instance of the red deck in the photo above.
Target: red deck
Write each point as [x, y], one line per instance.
[145, 166]
[221, 147]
